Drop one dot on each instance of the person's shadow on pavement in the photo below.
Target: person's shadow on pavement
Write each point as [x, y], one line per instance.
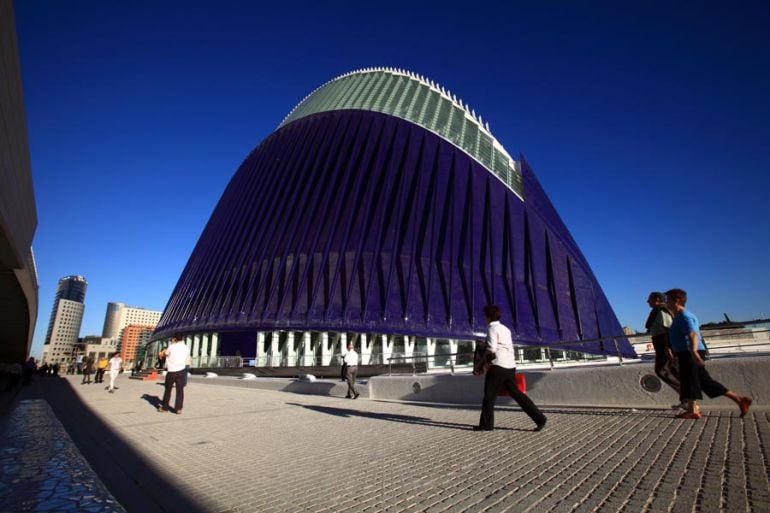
[154, 400]
[392, 417]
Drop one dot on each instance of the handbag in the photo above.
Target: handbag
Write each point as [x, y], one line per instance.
[482, 357]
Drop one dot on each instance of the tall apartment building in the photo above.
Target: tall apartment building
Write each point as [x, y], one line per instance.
[119, 316]
[135, 337]
[66, 319]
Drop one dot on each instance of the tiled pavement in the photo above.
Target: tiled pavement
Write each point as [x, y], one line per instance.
[239, 450]
[42, 470]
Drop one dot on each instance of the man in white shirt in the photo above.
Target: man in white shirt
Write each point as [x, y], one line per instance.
[115, 364]
[502, 373]
[351, 364]
[176, 360]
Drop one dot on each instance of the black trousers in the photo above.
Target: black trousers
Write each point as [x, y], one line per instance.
[696, 379]
[665, 368]
[497, 378]
[175, 378]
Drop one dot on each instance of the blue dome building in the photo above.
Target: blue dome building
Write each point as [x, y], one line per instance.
[382, 211]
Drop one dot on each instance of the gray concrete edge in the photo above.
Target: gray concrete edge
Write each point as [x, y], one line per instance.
[606, 386]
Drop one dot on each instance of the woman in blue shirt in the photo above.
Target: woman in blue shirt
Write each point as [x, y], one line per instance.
[687, 344]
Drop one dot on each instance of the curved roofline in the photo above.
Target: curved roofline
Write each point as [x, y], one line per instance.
[493, 156]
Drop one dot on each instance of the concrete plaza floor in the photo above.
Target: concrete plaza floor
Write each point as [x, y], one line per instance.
[237, 450]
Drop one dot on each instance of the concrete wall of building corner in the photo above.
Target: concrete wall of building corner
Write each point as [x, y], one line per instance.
[617, 386]
[28, 282]
[18, 214]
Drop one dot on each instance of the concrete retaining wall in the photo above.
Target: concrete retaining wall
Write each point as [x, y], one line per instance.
[613, 386]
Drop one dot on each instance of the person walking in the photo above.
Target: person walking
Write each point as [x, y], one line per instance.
[687, 344]
[101, 367]
[502, 373]
[29, 369]
[350, 361]
[116, 363]
[88, 369]
[657, 325]
[176, 360]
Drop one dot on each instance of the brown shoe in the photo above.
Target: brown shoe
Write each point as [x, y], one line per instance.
[161, 409]
[744, 404]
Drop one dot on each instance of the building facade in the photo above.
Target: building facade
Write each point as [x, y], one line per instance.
[119, 316]
[66, 320]
[135, 338]
[96, 347]
[383, 212]
[18, 213]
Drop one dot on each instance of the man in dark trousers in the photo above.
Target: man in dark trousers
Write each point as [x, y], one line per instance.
[658, 322]
[176, 362]
[502, 373]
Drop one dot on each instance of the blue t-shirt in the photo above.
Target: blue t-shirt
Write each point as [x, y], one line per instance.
[683, 324]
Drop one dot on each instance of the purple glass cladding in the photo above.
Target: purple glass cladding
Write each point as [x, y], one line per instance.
[358, 221]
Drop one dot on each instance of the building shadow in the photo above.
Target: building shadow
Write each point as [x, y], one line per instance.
[129, 475]
[392, 417]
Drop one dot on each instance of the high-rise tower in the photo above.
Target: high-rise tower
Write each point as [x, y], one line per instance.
[66, 319]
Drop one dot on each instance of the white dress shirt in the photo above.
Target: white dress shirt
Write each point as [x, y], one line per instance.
[500, 342]
[176, 356]
[351, 358]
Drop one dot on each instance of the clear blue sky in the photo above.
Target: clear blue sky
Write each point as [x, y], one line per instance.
[648, 126]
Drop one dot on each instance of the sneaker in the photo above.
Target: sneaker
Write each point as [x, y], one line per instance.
[356, 396]
[540, 427]
[744, 405]
[161, 409]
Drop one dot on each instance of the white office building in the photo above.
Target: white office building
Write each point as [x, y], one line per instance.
[119, 316]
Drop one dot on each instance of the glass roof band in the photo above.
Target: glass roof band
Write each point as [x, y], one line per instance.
[420, 101]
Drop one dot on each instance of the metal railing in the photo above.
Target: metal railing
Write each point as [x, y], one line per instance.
[216, 362]
[283, 360]
[730, 341]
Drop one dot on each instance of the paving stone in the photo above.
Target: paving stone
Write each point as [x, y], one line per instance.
[245, 449]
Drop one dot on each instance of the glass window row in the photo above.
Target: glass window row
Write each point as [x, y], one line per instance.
[409, 98]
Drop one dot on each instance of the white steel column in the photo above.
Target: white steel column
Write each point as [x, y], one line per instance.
[214, 349]
[343, 346]
[291, 353]
[409, 342]
[307, 349]
[204, 358]
[387, 348]
[366, 351]
[196, 345]
[326, 354]
[274, 348]
[453, 351]
[431, 353]
[261, 360]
